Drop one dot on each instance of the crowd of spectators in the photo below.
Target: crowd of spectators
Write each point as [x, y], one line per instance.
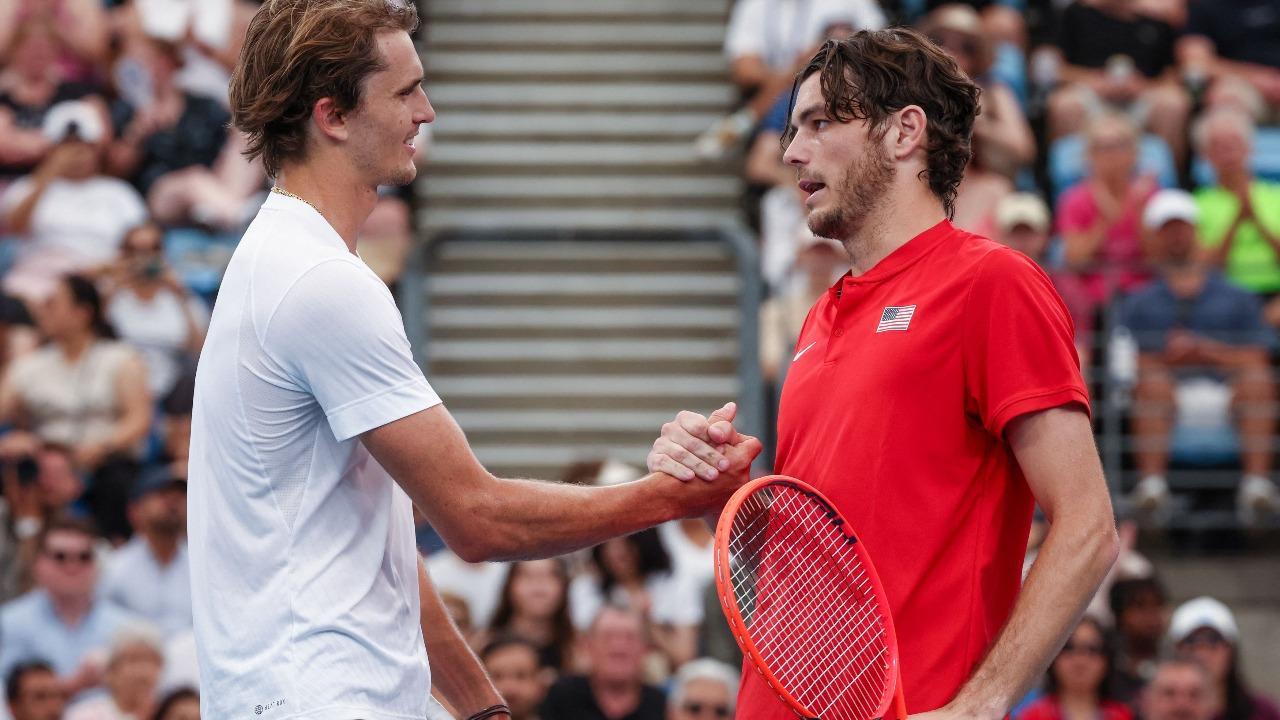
[122, 192]
[1131, 147]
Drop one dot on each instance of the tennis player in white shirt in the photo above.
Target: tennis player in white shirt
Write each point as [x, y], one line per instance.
[314, 432]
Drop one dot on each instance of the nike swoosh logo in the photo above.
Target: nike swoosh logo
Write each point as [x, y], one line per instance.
[805, 350]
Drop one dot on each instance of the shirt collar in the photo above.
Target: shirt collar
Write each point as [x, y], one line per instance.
[307, 215]
[900, 259]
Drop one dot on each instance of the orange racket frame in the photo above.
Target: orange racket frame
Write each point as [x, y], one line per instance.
[891, 704]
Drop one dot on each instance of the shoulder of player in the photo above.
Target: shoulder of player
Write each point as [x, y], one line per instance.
[990, 266]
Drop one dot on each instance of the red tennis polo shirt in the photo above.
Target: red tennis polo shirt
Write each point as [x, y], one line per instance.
[895, 407]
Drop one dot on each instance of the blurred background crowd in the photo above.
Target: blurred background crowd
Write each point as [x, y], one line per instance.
[1131, 147]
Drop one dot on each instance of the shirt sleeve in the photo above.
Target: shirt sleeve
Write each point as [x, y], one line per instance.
[742, 37]
[1019, 354]
[338, 334]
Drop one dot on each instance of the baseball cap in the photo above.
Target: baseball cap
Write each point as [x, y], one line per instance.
[153, 479]
[1203, 612]
[1022, 209]
[73, 117]
[1170, 204]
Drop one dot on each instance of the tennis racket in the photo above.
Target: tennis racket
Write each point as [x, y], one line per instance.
[805, 604]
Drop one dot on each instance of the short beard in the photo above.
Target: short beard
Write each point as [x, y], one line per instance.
[866, 184]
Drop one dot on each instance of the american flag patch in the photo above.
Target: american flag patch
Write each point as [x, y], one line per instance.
[896, 317]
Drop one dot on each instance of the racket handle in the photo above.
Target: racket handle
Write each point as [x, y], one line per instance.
[899, 703]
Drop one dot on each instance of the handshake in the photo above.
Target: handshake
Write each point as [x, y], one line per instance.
[694, 447]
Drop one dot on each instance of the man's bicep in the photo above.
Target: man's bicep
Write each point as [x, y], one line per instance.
[1055, 450]
[427, 454]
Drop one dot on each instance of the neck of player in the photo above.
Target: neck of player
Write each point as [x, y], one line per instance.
[908, 209]
[335, 191]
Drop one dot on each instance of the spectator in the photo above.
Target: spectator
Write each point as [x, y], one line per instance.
[153, 311]
[479, 584]
[1141, 612]
[175, 424]
[149, 575]
[70, 215]
[86, 392]
[819, 262]
[1234, 40]
[63, 620]
[703, 688]
[1078, 683]
[635, 572]
[177, 150]
[1115, 56]
[690, 544]
[133, 670]
[460, 613]
[1191, 325]
[1099, 216]
[1240, 216]
[30, 84]
[521, 679]
[1179, 690]
[1205, 631]
[1002, 138]
[181, 704]
[612, 689]
[1022, 222]
[82, 32]
[534, 605]
[34, 693]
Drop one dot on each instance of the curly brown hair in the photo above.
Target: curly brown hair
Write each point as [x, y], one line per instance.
[299, 51]
[874, 73]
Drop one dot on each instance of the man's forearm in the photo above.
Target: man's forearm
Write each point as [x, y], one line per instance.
[455, 670]
[1068, 569]
[527, 518]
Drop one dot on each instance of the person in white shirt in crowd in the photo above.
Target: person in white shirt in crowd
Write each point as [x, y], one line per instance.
[86, 392]
[150, 575]
[152, 310]
[635, 572]
[314, 431]
[703, 688]
[63, 621]
[70, 215]
[132, 672]
[479, 584]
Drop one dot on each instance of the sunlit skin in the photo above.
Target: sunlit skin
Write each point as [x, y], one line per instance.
[351, 152]
[861, 188]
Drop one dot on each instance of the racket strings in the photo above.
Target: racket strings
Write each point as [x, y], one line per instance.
[808, 603]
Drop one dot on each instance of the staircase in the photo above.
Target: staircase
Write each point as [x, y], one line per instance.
[582, 277]
[557, 114]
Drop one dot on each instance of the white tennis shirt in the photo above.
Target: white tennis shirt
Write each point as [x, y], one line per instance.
[303, 563]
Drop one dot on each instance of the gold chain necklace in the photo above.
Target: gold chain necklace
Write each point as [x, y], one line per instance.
[286, 193]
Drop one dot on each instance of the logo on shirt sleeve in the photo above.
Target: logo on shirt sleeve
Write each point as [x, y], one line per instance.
[896, 317]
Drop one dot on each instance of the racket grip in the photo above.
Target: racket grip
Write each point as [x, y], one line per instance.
[899, 703]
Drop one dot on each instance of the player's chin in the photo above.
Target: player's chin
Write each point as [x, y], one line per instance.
[402, 176]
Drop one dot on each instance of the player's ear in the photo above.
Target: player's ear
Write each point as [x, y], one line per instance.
[330, 119]
[910, 123]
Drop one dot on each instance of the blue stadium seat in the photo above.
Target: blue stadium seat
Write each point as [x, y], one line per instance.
[1067, 159]
[1266, 159]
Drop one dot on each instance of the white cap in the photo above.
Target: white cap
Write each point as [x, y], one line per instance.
[1022, 209]
[1203, 612]
[1169, 205]
[73, 114]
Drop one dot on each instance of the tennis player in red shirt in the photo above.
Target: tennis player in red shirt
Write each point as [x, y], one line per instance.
[934, 395]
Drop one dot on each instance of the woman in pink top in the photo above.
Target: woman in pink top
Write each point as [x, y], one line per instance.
[1077, 686]
[1099, 217]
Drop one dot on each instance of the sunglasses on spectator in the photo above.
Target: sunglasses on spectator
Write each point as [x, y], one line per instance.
[697, 708]
[1083, 648]
[64, 557]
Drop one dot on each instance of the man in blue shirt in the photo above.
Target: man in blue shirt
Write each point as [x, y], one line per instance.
[1190, 323]
[62, 621]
